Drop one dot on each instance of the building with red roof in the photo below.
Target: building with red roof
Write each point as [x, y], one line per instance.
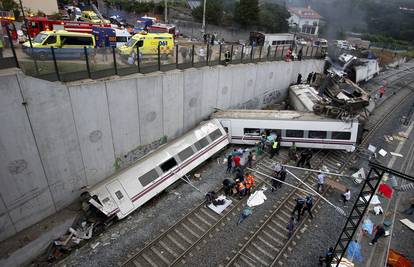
[305, 20]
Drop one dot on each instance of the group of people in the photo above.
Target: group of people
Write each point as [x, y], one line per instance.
[289, 56]
[243, 182]
[310, 79]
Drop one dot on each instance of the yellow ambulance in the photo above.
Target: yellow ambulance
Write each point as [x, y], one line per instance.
[148, 44]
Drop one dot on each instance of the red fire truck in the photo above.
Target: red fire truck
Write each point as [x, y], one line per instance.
[38, 24]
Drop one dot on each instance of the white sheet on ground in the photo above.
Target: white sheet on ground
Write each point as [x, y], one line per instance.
[219, 208]
[382, 152]
[374, 201]
[256, 199]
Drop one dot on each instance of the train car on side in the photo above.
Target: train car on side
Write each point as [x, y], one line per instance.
[306, 129]
[124, 192]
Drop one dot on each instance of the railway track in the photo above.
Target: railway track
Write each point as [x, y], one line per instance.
[269, 242]
[173, 245]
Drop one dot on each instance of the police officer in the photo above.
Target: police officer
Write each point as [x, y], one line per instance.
[227, 56]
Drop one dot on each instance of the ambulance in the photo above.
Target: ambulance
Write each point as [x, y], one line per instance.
[148, 44]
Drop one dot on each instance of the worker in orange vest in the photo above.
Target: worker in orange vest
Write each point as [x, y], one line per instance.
[241, 188]
[249, 182]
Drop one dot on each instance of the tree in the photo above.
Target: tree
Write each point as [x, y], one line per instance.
[247, 12]
[273, 18]
[10, 5]
[214, 12]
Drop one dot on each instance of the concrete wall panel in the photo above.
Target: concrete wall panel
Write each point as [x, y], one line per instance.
[173, 97]
[21, 172]
[150, 108]
[123, 113]
[209, 90]
[193, 81]
[248, 72]
[50, 112]
[38, 208]
[6, 226]
[237, 88]
[90, 109]
[225, 84]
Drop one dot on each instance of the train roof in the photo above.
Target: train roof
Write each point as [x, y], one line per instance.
[164, 152]
[269, 114]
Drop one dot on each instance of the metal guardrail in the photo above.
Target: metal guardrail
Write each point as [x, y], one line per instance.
[63, 64]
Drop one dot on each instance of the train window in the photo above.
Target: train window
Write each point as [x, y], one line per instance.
[186, 153]
[273, 132]
[168, 165]
[341, 135]
[226, 129]
[317, 134]
[105, 200]
[119, 195]
[201, 143]
[215, 135]
[294, 133]
[148, 177]
[251, 131]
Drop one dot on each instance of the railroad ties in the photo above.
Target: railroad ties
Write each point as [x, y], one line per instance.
[269, 242]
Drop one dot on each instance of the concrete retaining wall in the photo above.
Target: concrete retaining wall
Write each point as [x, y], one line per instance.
[55, 139]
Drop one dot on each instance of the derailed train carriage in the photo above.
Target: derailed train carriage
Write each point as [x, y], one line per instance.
[306, 129]
[124, 192]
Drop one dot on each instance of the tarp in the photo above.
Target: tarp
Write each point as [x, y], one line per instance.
[368, 226]
[256, 199]
[385, 190]
[354, 252]
[396, 259]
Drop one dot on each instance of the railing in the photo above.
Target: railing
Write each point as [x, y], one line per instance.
[70, 64]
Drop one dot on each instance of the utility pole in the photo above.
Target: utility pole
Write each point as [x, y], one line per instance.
[204, 17]
[166, 11]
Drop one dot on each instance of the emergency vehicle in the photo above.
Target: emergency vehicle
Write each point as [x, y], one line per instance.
[69, 45]
[39, 24]
[92, 17]
[109, 37]
[162, 28]
[270, 39]
[148, 44]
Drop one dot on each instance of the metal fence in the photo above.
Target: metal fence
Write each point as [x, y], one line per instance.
[63, 64]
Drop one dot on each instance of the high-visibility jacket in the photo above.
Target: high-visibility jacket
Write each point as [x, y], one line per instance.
[274, 146]
[1, 43]
[240, 187]
[249, 181]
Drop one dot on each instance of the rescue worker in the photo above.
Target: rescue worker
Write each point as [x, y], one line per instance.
[263, 139]
[280, 175]
[321, 181]
[236, 160]
[328, 257]
[227, 57]
[309, 79]
[228, 186]
[274, 148]
[379, 232]
[239, 174]
[381, 91]
[278, 144]
[299, 79]
[304, 160]
[308, 206]
[229, 163]
[300, 54]
[249, 160]
[288, 54]
[299, 206]
[293, 152]
[248, 182]
[240, 188]
[291, 226]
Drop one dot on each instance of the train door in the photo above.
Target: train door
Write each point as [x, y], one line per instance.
[227, 127]
[120, 196]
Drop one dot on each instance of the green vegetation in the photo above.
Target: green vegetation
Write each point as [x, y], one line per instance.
[10, 5]
[273, 18]
[214, 12]
[247, 12]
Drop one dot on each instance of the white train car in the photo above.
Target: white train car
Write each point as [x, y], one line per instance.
[122, 193]
[305, 129]
[367, 70]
